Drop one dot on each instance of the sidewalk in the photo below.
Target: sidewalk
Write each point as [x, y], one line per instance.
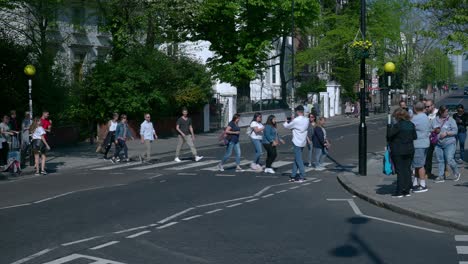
[443, 204]
[83, 154]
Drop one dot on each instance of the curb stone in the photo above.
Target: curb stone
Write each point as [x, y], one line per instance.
[425, 216]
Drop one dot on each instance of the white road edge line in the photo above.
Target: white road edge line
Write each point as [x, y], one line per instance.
[40, 253]
[130, 229]
[268, 187]
[54, 197]
[355, 207]
[282, 191]
[305, 184]
[251, 200]
[14, 206]
[226, 201]
[319, 180]
[79, 241]
[138, 234]
[155, 176]
[104, 245]
[268, 195]
[234, 205]
[167, 219]
[191, 217]
[167, 225]
[295, 187]
[213, 211]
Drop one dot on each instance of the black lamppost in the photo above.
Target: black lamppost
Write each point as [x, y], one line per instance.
[362, 124]
[293, 88]
[389, 68]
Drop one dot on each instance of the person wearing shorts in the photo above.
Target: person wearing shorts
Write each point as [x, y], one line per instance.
[421, 146]
[39, 145]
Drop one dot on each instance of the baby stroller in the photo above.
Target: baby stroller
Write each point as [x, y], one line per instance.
[14, 158]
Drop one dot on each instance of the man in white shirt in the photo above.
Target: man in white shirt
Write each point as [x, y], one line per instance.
[299, 126]
[148, 134]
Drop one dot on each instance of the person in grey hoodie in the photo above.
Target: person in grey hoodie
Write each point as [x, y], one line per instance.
[446, 129]
[421, 144]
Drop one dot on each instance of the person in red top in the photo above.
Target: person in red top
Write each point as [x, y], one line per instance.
[46, 123]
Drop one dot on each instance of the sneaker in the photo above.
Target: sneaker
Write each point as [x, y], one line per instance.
[269, 170]
[253, 166]
[239, 169]
[320, 168]
[37, 173]
[415, 187]
[220, 167]
[177, 159]
[113, 160]
[407, 195]
[300, 180]
[420, 189]
[310, 165]
[292, 180]
[396, 195]
[198, 158]
[141, 158]
[457, 177]
[44, 172]
[127, 160]
[439, 180]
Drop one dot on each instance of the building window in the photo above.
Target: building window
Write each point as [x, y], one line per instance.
[273, 74]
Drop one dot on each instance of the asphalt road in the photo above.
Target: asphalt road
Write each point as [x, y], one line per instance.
[184, 213]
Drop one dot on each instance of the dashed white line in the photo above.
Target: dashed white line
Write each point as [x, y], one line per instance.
[251, 200]
[226, 201]
[319, 180]
[462, 250]
[167, 225]
[104, 245]
[138, 234]
[234, 205]
[167, 219]
[53, 197]
[305, 184]
[40, 253]
[155, 176]
[130, 229]
[268, 195]
[213, 211]
[186, 173]
[191, 217]
[282, 191]
[80, 241]
[225, 175]
[153, 225]
[295, 187]
[262, 191]
[463, 238]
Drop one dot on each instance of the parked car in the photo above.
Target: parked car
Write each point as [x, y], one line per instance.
[269, 104]
[454, 86]
[466, 90]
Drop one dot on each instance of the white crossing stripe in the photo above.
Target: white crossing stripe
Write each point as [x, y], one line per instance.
[104, 245]
[234, 205]
[191, 217]
[229, 165]
[193, 165]
[166, 225]
[118, 166]
[461, 238]
[280, 163]
[462, 250]
[158, 165]
[138, 234]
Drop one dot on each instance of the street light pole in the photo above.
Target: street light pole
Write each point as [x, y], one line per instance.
[389, 68]
[293, 86]
[362, 125]
[30, 70]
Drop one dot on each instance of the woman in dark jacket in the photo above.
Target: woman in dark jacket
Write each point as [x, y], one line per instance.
[400, 137]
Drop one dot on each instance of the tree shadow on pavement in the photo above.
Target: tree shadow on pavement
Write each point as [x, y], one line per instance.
[355, 246]
[52, 167]
[340, 167]
[465, 184]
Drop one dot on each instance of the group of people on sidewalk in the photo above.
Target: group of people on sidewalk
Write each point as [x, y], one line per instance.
[19, 138]
[305, 132]
[413, 138]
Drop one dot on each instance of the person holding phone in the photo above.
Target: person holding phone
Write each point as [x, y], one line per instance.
[299, 126]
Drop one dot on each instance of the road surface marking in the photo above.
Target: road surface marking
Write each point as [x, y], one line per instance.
[194, 165]
[191, 217]
[226, 201]
[33, 256]
[234, 205]
[153, 225]
[213, 211]
[130, 229]
[278, 164]
[228, 166]
[282, 191]
[116, 173]
[225, 175]
[186, 173]
[260, 176]
[104, 245]
[462, 250]
[305, 184]
[463, 238]
[358, 212]
[138, 234]
[163, 181]
[319, 180]
[295, 187]
[167, 219]
[73, 257]
[80, 241]
[14, 206]
[268, 187]
[54, 197]
[155, 176]
[166, 225]
[251, 200]
[113, 167]
[268, 195]
[162, 164]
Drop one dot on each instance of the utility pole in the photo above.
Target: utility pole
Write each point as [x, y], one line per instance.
[362, 84]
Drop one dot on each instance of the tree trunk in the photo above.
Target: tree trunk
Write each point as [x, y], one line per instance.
[150, 34]
[284, 88]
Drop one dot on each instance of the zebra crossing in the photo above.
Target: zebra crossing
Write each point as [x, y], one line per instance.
[462, 247]
[209, 165]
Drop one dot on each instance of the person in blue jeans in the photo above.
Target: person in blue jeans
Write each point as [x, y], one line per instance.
[298, 126]
[461, 118]
[122, 134]
[310, 135]
[446, 129]
[233, 133]
[320, 143]
[255, 132]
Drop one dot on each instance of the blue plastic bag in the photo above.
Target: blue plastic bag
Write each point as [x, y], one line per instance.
[387, 163]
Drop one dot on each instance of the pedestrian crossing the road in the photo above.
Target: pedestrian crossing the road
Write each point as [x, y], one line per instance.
[209, 165]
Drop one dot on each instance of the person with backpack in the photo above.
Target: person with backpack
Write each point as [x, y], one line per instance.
[233, 134]
[270, 141]
[255, 132]
[39, 145]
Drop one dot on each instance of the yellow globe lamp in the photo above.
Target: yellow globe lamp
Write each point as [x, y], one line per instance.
[29, 70]
[389, 67]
